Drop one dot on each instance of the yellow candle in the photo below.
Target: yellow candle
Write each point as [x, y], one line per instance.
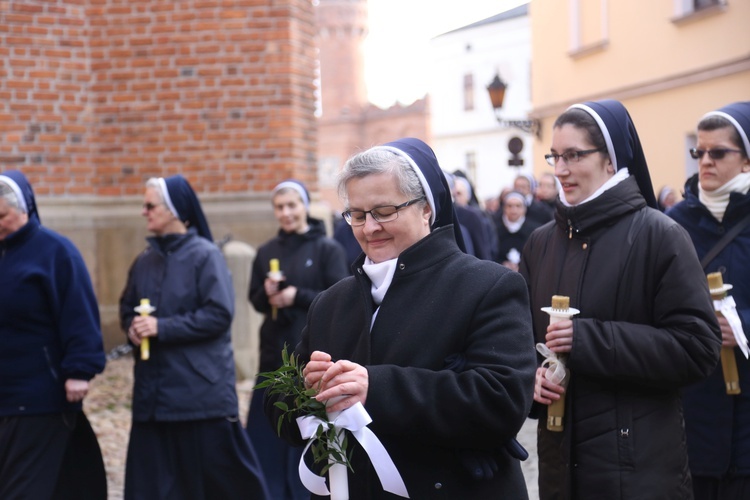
[275, 274]
[145, 343]
[560, 310]
[728, 361]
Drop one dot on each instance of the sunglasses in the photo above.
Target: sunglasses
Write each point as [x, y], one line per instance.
[714, 154]
[150, 206]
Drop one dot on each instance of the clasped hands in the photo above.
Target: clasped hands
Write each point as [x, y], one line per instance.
[279, 296]
[559, 339]
[142, 326]
[332, 379]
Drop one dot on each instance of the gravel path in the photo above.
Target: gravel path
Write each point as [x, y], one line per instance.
[108, 408]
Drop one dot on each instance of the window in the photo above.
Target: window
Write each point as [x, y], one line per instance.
[689, 9]
[588, 26]
[691, 166]
[471, 165]
[469, 92]
[702, 4]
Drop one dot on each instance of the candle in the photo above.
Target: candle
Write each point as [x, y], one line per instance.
[145, 309]
[559, 311]
[337, 473]
[728, 362]
[275, 274]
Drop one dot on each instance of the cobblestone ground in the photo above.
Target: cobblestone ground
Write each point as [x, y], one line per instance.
[108, 408]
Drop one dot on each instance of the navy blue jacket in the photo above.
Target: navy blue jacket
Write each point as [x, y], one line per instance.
[190, 375]
[311, 262]
[49, 322]
[712, 418]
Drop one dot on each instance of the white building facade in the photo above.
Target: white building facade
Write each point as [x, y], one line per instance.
[466, 134]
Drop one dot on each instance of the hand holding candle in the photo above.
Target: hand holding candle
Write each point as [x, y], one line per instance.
[276, 275]
[145, 309]
[725, 307]
[556, 371]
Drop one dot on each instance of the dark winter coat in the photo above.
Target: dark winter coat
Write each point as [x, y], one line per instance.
[540, 211]
[190, 374]
[49, 322]
[450, 362]
[508, 241]
[713, 419]
[480, 231]
[646, 328]
[311, 262]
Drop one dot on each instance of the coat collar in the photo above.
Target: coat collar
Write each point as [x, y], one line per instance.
[620, 200]
[739, 204]
[433, 248]
[23, 234]
[171, 242]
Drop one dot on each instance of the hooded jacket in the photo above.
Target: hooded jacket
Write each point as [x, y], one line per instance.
[190, 374]
[311, 262]
[646, 328]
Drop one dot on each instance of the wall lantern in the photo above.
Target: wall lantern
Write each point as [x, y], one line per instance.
[496, 89]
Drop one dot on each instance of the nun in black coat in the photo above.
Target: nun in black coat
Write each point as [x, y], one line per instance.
[434, 343]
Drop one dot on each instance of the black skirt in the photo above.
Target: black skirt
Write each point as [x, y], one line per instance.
[50, 456]
[194, 460]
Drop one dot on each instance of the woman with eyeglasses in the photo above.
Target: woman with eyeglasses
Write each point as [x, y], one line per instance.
[186, 440]
[434, 343]
[310, 262]
[717, 203]
[646, 325]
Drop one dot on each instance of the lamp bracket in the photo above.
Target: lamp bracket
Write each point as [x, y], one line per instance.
[528, 126]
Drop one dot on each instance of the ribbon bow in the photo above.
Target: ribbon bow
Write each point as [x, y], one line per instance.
[555, 365]
[355, 420]
[728, 308]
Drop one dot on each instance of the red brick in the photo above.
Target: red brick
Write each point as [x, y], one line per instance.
[111, 78]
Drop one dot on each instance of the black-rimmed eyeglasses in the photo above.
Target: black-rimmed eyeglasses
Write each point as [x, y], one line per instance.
[714, 154]
[385, 213]
[569, 156]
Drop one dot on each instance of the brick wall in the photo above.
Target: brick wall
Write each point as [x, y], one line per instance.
[98, 95]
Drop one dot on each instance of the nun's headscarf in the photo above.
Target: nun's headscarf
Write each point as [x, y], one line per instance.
[738, 114]
[298, 187]
[623, 145]
[24, 192]
[183, 203]
[422, 159]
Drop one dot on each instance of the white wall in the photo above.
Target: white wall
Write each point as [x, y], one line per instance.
[503, 46]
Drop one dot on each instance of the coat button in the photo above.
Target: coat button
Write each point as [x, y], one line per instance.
[438, 486]
[624, 432]
[402, 266]
[585, 246]
[359, 270]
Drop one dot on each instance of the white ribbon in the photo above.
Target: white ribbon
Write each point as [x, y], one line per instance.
[555, 366]
[355, 420]
[728, 309]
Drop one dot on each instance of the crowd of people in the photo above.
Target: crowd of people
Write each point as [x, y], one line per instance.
[442, 323]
